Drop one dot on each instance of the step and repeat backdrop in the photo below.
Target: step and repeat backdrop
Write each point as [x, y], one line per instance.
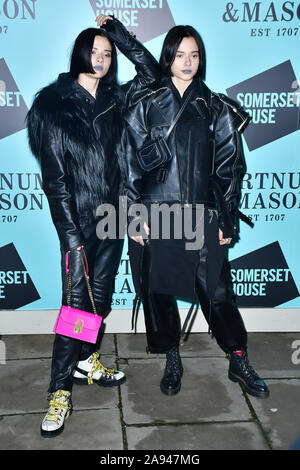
[252, 56]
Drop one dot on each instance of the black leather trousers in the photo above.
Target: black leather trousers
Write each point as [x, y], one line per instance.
[162, 318]
[103, 257]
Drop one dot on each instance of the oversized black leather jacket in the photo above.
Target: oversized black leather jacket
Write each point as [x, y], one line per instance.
[77, 141]
[207, 160]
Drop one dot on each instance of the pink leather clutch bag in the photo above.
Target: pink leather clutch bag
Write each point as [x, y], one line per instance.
[78, 324]
[73, 322]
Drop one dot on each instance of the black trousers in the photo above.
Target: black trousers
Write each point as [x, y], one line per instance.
[103, 257]
[162, 320]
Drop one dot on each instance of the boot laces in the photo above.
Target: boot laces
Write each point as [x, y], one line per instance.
[57, 405]
[97, 366]
[174, 365]
[247, 368]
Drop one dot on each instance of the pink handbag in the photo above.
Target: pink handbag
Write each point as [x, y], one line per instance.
[73, 322]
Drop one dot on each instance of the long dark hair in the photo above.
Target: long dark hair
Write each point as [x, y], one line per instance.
[171, 45]
[81, 55]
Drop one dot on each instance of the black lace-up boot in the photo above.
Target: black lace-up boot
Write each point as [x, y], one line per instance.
[241, 371]
[171, 382]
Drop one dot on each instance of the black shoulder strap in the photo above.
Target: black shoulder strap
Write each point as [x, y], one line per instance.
[177, 116]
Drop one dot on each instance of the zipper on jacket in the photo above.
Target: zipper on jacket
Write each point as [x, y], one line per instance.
[178, 167]
[188, 169]
[100, 114]
[234, 179]
[149, 94]
[177, 159]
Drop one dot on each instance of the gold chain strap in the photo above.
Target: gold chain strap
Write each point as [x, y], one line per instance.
[88, 284]
[69, 284]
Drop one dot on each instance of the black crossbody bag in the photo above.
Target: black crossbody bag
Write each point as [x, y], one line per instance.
[156, 152]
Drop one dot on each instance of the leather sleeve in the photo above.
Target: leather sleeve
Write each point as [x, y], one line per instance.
[146, 65]
[134, 173]
[229, 166]
[50, 153]
[135, 134]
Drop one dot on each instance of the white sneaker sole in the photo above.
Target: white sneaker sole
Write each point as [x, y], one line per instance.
[55, 432]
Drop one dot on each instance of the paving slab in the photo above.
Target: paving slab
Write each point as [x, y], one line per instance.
[210, 412]
[132, 345]
[84, 430]
[274, 354]
[207, 436]
[37, 346]
[206, 393]
[200, 345]
[280, 413]
[28, 346]
[24, 385]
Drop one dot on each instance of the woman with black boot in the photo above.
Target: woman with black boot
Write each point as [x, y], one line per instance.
[193, 135]
[74, 128]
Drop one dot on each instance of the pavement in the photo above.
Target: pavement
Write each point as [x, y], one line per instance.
[209, 413]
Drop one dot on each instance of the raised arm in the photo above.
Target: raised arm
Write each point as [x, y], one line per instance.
[146, 65]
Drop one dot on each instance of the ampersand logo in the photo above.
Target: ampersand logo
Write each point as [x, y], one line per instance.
[231, 14]
[262, 12]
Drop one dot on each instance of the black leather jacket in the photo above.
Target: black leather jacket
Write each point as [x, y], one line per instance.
[207, 160]
[77, 140]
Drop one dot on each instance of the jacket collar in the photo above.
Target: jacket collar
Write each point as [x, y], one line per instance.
[164, 102]
[107, 94]
[66, 85]
[199, 89]
[202, 91]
